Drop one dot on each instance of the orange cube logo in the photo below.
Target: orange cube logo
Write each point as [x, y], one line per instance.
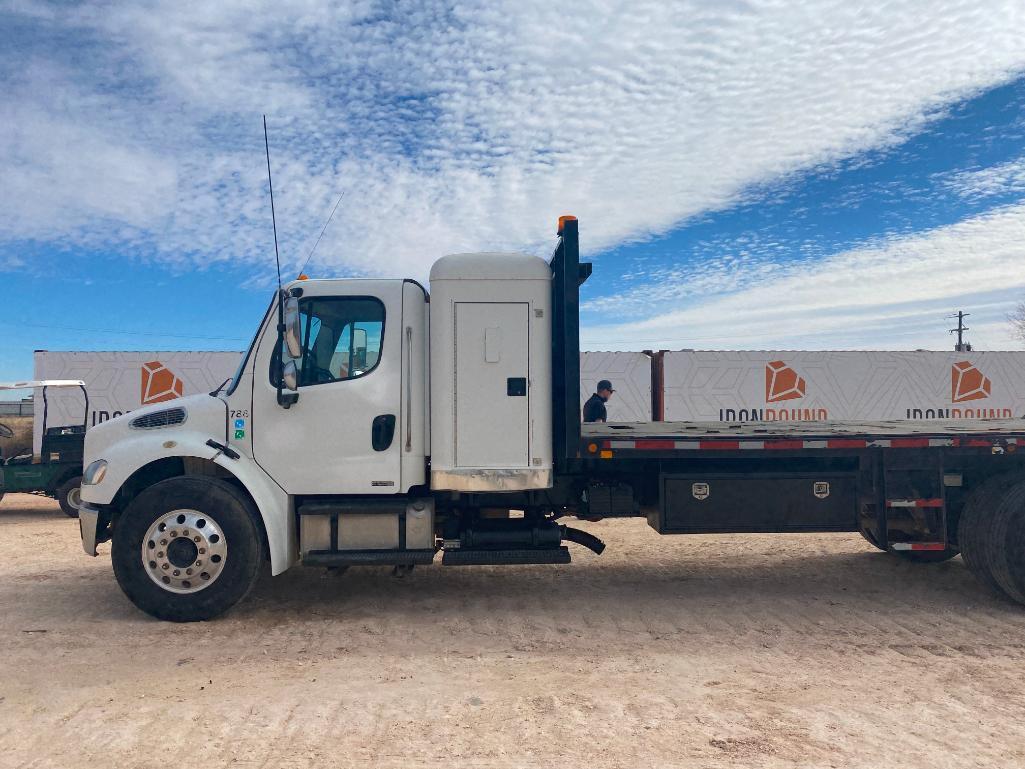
[159, 383]
[967, 383]
[782, 383]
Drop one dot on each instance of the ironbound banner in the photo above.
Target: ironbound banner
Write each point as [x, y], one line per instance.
[775, 385]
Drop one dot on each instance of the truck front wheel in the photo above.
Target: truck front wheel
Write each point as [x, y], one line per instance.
[69, 496]
[187, 549]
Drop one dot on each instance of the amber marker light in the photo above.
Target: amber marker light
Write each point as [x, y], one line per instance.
[563, 220]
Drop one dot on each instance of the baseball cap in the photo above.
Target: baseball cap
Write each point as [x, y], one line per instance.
[605, 384]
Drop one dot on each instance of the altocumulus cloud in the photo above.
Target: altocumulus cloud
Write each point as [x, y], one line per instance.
[452, 128]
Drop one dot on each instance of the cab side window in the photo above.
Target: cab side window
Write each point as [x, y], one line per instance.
[341, 338]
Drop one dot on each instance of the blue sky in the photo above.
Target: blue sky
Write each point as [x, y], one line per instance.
[747, 175]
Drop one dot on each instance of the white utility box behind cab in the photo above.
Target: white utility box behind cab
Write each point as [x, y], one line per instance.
[491, 412]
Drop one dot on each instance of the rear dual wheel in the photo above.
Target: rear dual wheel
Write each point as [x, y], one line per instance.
[991, 532]
[187, 549]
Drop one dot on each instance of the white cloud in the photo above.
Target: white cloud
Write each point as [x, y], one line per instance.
[894, 295]
[453, 128]
[1002, 179]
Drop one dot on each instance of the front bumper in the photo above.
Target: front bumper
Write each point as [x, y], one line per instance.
[88, 522]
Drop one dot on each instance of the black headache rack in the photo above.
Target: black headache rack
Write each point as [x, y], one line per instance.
[568, 274]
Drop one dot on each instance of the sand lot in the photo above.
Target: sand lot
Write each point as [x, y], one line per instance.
[710, 651]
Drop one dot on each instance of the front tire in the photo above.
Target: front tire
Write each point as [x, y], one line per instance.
[187, 549]
[69, 496]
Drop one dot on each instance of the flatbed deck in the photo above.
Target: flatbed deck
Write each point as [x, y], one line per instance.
[799, 436]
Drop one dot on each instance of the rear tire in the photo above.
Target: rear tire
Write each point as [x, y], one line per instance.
[187, 549]
[972, 529]
[871, 539]
[69, 496]
[1005, 538]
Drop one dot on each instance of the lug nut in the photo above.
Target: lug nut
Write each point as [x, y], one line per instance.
[188, 571]
[176, 572]
[165, 567]
[160, 554]
[174, 532]
[185, 533]
[202, 550]
[163, 542]
[195, 539]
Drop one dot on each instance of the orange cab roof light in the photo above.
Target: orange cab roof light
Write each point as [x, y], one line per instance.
[303, 276]
[563, 219]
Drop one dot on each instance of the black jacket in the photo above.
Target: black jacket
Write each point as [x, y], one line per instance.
[594, 409]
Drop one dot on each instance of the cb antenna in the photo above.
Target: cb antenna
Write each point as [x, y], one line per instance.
[273, 219]
[284, 399]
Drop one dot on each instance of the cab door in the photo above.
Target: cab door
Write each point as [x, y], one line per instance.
[343, 434]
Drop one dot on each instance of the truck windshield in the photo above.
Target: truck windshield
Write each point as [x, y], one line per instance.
[249, 351]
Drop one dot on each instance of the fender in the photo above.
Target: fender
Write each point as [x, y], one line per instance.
[136, 449]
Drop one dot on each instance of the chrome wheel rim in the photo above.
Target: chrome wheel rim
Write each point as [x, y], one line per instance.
[184, 551]
[74, 498]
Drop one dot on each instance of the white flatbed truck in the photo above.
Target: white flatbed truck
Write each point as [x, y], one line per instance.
[370, 423]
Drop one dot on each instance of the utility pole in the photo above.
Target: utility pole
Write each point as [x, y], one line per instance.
[961, 346]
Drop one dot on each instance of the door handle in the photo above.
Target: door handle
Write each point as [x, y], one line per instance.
[409, 388]
[382, 431]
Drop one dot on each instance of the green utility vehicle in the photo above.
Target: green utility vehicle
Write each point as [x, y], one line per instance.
[57, 471]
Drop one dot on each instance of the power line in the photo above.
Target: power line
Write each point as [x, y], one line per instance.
[122, 331]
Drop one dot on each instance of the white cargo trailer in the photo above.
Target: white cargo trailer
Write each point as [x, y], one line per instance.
[821, 385]
[119, 382]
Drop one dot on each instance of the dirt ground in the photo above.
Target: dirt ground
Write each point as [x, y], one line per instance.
[710, 651]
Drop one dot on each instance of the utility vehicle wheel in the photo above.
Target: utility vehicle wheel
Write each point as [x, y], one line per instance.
[187, 549]
[972, 529]
[1005, 540]
[69, 495]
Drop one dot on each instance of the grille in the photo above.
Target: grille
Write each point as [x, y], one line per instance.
[163, 418]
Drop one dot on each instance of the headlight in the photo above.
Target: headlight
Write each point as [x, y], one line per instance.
[94, 473]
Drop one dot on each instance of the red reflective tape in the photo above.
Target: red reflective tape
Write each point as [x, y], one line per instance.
[654, 445]
[914, 502]
[719, 444]
[606, 444]
[928, 546]
[909, 443]
[978, 443]
[845, 443]
[784, 445]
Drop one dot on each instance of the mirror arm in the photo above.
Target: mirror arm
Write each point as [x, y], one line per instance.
[285, 400]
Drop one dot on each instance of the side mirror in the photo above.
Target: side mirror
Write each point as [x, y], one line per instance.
[293, 328]
[290, 376]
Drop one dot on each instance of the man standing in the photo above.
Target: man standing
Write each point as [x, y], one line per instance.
[594, 408]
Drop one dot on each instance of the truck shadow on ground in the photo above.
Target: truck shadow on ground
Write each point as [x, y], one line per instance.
[860, 600]
[864, 580]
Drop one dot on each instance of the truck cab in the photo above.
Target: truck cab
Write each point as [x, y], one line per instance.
[367, 422]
